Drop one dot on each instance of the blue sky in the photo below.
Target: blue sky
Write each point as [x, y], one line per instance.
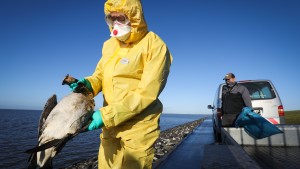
[42, 41]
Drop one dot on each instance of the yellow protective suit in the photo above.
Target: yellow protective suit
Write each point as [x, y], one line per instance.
[131, 75]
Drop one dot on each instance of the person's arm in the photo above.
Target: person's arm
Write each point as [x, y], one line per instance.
[246, 97]
[96, 79]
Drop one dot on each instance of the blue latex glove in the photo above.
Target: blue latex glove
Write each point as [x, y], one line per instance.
[84, 81]
[97, 121]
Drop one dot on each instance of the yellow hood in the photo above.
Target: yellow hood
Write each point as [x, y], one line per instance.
[133, 10]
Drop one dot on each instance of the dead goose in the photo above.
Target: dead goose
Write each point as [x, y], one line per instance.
[59, 122]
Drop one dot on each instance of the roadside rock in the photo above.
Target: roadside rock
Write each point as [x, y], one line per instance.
[168, 140]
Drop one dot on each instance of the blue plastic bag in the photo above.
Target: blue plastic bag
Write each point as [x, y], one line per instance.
[255, 125]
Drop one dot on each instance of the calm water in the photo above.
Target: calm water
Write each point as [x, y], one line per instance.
[18, 132]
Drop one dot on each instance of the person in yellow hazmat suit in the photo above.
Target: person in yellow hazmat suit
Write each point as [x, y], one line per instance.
[131, 75]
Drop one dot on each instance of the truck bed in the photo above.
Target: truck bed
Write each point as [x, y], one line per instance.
[278, 151]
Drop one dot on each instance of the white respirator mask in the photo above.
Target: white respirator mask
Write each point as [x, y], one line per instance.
[120, 31]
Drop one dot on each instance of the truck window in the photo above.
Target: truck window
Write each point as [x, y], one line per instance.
[260, 90]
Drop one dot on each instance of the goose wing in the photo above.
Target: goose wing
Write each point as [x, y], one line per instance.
[50, 104]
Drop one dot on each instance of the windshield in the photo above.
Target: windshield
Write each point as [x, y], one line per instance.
[260, 90]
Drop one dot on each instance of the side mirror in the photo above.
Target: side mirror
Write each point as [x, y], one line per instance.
[210, 107]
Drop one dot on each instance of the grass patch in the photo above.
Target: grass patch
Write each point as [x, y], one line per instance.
[292, 117]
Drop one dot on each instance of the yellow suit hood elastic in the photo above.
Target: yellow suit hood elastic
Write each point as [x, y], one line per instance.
[133, 10]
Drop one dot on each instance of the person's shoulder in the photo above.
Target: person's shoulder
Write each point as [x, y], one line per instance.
[152, 34]
[154, 37]
[225, 88]
[241, 87]
[111, 41]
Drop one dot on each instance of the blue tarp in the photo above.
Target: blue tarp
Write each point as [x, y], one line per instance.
[255, 125]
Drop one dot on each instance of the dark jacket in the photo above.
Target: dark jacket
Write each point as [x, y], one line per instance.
[234, 99]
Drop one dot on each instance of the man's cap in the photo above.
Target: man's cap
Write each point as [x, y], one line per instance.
[228, 76]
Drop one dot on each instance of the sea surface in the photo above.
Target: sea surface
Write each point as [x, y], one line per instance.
[18, 132]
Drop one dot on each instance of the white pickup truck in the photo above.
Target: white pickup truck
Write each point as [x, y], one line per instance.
[265, 101]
